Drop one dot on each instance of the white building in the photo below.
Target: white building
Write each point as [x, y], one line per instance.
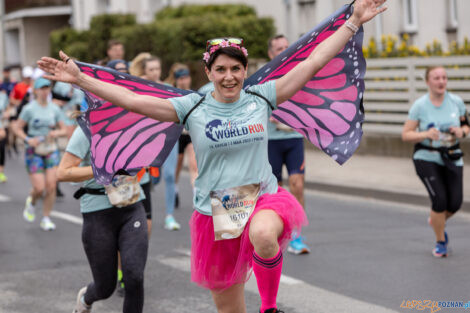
[25, 29]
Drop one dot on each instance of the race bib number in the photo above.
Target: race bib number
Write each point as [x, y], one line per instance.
[231, 209]
[45, 147]
[124, 190]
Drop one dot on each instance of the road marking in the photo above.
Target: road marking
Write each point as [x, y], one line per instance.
[4, 198]
[294, 293]
[67, 217]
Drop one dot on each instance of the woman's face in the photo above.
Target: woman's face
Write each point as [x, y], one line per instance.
[42, 93]
[153, 70]
[183, 82]
[437, 81]
[228, 75]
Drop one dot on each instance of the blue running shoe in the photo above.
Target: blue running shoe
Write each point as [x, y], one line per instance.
[440, 251]
[298, 246]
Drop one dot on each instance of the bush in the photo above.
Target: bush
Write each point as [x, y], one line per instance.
[183, 11]
[101, 28]
[177, 35]
[65, 38]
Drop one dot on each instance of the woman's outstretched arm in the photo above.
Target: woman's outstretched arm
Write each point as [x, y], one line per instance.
[294, 80]
[66, 70]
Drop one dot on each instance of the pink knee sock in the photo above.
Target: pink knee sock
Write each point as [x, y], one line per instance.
[268, 276]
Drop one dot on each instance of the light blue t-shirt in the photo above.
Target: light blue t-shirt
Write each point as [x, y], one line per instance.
[3, 101]
[79, 145]
[277, 134]
[230, 141]
[443, 117]
[41, 119]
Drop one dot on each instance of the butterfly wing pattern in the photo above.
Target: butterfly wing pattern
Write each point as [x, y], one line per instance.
[123, 141]
[328, 110]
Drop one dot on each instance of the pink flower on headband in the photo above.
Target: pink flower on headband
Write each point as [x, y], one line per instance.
[245, 52]
[224, 44]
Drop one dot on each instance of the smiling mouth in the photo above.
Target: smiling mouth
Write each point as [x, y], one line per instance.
[229, 86]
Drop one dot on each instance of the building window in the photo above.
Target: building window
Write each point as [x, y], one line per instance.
[306, 15]
[410, 16]
[104, 6]
[452, 15]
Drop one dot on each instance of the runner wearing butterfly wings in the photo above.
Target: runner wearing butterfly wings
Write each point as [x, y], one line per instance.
[253, 219]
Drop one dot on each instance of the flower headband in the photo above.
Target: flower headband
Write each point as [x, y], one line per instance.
[215, 44]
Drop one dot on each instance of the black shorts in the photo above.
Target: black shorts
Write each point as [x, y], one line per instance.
[444, 185]
[183, 142]
[289, 152]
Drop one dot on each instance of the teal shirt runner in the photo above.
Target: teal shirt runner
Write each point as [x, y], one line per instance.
[41, 119]
[443, 117]
[230, 141]
[80, 147]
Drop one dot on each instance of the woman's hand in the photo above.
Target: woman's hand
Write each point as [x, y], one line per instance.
[33, 142]
[457, 132]
[65, 71]
[365, 10]
[432, 133]
[54, 134]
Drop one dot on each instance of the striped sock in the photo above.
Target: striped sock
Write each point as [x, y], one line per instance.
[268, 275]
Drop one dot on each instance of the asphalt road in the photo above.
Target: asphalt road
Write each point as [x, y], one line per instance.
[367, 256]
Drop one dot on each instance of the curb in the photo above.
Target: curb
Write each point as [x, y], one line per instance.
[392, 196]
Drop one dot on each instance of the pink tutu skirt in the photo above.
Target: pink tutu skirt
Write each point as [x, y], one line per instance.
[217, 265]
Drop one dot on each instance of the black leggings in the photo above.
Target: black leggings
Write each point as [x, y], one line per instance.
[3, 143]
[147, 202]
[104, 233]
[444, 185]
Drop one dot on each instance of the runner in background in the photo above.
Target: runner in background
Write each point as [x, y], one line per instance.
[180, 78]
[286, 147]
[45, 123]
[107, 229]
[152, 69]
[436, 123]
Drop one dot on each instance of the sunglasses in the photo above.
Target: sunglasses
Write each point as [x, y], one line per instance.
[218, 41]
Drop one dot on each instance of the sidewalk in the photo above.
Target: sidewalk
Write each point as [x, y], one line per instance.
[386, 178]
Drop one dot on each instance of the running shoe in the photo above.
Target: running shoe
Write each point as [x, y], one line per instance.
[273, 310]
[171, 224]
[298, 246]
[445, 233]
[80, 306]
[47, 224]
[3, 178]
[120, 289]
[29, 212]
[440, 251]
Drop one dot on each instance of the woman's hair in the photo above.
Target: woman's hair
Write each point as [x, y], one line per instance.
[150, 59]
[175, 72]
[112, 64]
[137, 67]
[231, 52]
[430, 69]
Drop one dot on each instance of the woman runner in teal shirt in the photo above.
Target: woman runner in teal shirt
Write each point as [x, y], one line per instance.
[229, 126]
